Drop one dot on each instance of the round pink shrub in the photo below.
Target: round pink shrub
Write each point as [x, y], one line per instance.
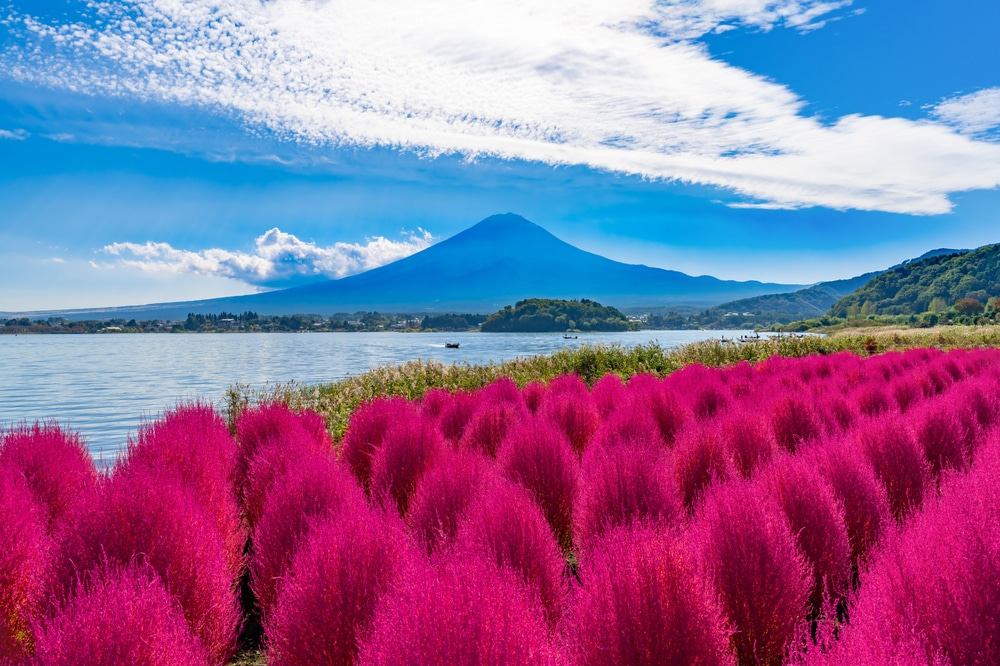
[120, 615]
[608, 392]
[621, 486]
[501, 391]
[56, 465]
[540, 457]
[872, 399]
[899, 466]
[409, 448]
[939, 434]
[749, 438]
[266, 422]
[325, 606]
[571, 384]
[468, 612]
[25, 561]
[443, 494]
[866, 506]
[488, 426]
[576, 415]
[905, 391]
[533, 394]
[193, 443]
[700, 458]
[159, 521]
[506, 525]
[316, 487]
[270, 460]
[641, 602]
[456, 414]
[631, 424]
[365, 432]
[661, 403]
[794, 421]
[838, 413]
[817, 521]
[763, 581]
[434, 401]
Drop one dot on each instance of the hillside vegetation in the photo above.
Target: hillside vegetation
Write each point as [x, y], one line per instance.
[931, 285]
[535, 315]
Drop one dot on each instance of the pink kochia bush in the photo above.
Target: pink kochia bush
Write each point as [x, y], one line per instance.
[119, 615]
[930, 596]
[365, 432]
[326, 604]
[505, 524]
[443, 494]
[193, 444]
[467, 611]
[762, 579]
[641, 602]
[25, 553]
[316, 487]
[410, 447]
[156, 519]
[56, 465]
[899, 466]
[539, 456]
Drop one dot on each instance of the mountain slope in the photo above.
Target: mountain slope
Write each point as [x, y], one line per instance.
[500, 260]
[910, 288]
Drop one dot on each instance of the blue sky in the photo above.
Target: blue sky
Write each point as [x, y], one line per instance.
[159, 150]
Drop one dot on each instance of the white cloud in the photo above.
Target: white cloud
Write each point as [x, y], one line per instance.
[620, 86]
[974, 113]
[279, 258]
[16, 135]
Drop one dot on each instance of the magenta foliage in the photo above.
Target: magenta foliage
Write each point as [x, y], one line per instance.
[761, 577]
[270, 460]
[434, 402]
[469, 612]
[119, 615]
[410, 446]
[489, 424]
[533, 394]
[443, 495]
[266, 422]
[631, 424]
[866, 505]
[661, 403]
[794, 421]
[608, 392]
[25, 560]
[749, 437]
[506, 525]
[905, 391]
[700, 458]
[539, 456]
[571, 384]
[817, 521]
[939, 434]
[456, 414]
[930, 594]
[576, 415]
[642, 603]
[838, 413]
[326, 604]
[623, 485]
[55, 463]
[898, 464]
[501, 391]
[365, 432]
[872, 399]
[157, 519]
[313, 488]
[193, 443]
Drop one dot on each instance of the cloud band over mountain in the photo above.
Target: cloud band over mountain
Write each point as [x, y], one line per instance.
[620, 86]
[279, 260]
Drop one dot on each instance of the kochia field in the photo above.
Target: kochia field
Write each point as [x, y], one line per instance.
[820, 510]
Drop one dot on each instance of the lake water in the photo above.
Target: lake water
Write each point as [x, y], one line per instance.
[103, 386]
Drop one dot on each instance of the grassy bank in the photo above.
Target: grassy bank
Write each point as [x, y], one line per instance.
[336, 400]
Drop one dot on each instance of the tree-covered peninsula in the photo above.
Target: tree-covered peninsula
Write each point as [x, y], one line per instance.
[536, 315]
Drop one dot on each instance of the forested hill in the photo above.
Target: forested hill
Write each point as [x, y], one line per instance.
[932, 284]
[542, 314]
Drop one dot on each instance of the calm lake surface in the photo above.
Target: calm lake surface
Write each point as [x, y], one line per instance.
[104, 386]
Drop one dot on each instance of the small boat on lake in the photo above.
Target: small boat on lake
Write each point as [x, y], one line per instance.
[451, 345]
[569, 337]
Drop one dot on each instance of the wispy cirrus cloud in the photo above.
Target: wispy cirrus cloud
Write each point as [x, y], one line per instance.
[16, 135]
[279, 259]
[973, 113]
[622, 86]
